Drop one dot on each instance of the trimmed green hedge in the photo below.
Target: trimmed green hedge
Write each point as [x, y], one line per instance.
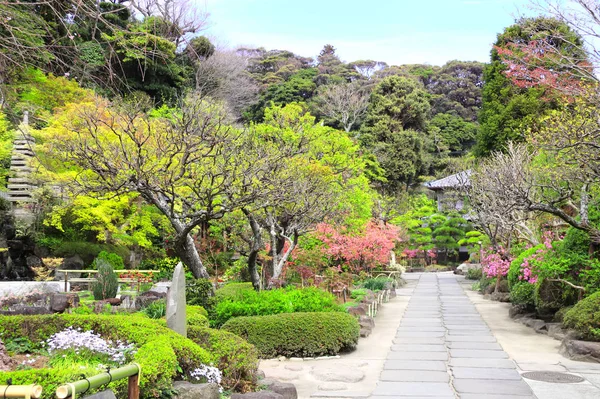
[163, 354]
[522, 293]
[285, 300]
[584, 317]
[298, 334]
[235, 357]
[196, 316]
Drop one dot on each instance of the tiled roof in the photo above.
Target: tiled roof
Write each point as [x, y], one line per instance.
[453, 181]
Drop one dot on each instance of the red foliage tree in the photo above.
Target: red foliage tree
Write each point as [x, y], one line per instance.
[359, 252]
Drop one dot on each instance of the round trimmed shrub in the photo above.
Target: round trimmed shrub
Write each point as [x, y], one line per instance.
[196, 316]
[236, 358]
[298, 334]
[584, 317]
[550, 296]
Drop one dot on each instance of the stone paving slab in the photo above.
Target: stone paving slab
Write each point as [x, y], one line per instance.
[426, 365]
[418, 348]
[478, 353]
[401, 389]
[413, 397]
[423, 334]
[474, 345]
[483, 363]
[486, 373]
[428, 328]
[464, 338]
[496, 387]
[418, 340]
[418, 356]
[415, 376]
[488, 396]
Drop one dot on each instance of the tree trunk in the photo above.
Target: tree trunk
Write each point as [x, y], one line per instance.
[256, 246]
[187, 252]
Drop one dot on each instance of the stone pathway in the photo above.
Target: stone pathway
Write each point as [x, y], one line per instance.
[443, 349]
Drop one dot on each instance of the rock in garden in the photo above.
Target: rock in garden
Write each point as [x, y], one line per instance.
[99, 305]
[106, 394]
[70, 263]
[500, 296]
[517, 311]
[580, 350]
[365, 332]
[6, 363]
[127, 302]
[333, 386]
[176, 319]
[285, 389]
[187, 390]
[556, 331]
[338, 375]
[366, 322]
[146, 298]
[357, 310]
[257, 395]
[61, 302]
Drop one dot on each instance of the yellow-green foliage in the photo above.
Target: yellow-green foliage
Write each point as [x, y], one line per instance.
[161, 352]
[297, 334]
[236, 358]
[196, 316]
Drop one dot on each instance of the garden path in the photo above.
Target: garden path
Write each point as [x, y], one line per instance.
[453, 343]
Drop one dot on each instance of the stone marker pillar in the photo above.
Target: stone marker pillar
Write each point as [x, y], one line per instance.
[176, 319]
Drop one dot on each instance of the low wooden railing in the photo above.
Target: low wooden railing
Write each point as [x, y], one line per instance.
[131, 371]
[90, 280]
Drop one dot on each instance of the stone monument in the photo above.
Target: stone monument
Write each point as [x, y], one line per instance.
[176, 318]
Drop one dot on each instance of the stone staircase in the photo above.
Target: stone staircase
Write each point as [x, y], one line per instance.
[20, 186]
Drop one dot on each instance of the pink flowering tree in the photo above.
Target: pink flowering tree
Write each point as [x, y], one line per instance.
[496, 264]
[359, 252]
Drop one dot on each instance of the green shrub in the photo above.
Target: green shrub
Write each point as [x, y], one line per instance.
[199, 292]
[378, 284]
[161, 352]
[474, 274]
[298, 334]
[236, 358]
[486, 282]
[115, 260]
[87, 250]
[107, 284]
[156, 309]
[232, 291]
[522, 293]
[515, 266]
[584, 317]
[559, 316]
[196, 316]
[550, 296]
[288, 300]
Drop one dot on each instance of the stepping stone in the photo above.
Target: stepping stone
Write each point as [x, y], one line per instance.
[478, 353]
[418, 348]
[466, 338]
[418, 340]
[482, 363]
[475, 345]
[470, 332]
[418, 356]
[423, 334]
[423, 329]
[414, 376]
[485, 374]
[424, 389]
[496, 387]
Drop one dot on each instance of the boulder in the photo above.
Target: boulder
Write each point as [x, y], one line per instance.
[187, 390]
[257, 395]
[359, 310]
[26, 310]
[500, 296]
[366, 322]
[99, 305]
[127, 302]
[71, 263]
[285, 389]
[556, 331]
[580, 350]
[106, 394]
[365, 332]
[517, 310]
[6, 363]
[61, 302]
[147, 298]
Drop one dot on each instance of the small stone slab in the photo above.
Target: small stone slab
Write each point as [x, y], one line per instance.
[425, 365]
[418, 348]
[426, 389]
[332, 386]
[488, 396]
[470, 332]
[475, 345]
[467, 338]
[496, 387]
[347, 374]
[478, 353]
[418, 340]
[484, 363]
[417, 356]
[341, 394]
[485, 373]
[414, 376]
[423, 334]
[424, 329]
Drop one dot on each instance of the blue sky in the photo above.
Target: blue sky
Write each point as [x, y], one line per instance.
[394, 31]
